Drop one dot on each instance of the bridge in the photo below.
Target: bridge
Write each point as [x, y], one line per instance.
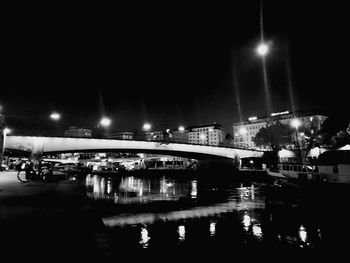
[46, 145]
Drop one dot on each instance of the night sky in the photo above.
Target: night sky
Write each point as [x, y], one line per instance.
[170, 65]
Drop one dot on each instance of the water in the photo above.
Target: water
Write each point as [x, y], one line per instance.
[202, 214]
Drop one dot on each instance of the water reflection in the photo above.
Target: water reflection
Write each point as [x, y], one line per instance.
[194, 189]
[246, 222]
[182, 232]
[257, 231]
[302, 234]
[196, 212]
[212, 228]
[127, 190]
[144, 240]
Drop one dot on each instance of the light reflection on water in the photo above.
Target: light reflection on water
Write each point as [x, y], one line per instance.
[213, 211]
[136, 190]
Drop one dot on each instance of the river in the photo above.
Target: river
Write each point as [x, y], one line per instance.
[212, 213]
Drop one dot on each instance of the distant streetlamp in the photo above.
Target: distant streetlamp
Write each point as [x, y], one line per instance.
[242, 131]
[146, 126]
[262, 49]
[55, 116]
[7, 131]
[105, 122]
[296, 123]
[181, 128]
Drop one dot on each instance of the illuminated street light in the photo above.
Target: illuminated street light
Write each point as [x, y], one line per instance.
[243, 131]
[295, 123]
[146, 126]
[55, 116]
[181, 128]
[105, 122]
[262, 49]
[7, 131]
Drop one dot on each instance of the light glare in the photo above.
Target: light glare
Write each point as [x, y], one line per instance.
[7, 131]
[147, 127]
[295, 123]
[262, 49]
[55, 116]
[105, 122]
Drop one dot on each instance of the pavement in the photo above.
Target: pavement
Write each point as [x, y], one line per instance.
[48, 221]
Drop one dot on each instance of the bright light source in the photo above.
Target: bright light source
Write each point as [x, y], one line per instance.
[181, 128]
[182, 232]
[55, 116]
[262, 49]
[295, 123]
[302, 233]
[105, 122]
[7, 131]
[147, 127]
[202, 136]
[167, 130]
[279, 113]
[243, 131]
[252, 118]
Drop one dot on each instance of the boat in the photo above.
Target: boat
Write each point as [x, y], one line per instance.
[333, 166]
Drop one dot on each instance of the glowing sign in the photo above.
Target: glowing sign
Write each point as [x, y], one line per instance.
[279, 113]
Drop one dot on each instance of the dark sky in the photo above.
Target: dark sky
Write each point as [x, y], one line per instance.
[170, 65]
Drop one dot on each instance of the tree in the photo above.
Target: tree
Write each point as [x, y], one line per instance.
[228, 141]
[333, 133]
[276, 136]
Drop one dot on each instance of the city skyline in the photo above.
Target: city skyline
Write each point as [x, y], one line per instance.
[185, 71]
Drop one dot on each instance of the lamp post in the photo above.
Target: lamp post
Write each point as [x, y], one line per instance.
[5, 131]
[296, 123]
[146, 128]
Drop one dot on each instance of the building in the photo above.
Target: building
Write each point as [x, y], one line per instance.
[244, 132]
[78, 132]
[209, 134]
[180, 136]
[119, 135]
[154, 136]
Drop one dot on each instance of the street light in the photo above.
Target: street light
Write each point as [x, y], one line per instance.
[242, 131]
[55, 116]
[296, 123]
[7, 131]
[146, 126]
[262, 49]
[181, 128]
[105, 122]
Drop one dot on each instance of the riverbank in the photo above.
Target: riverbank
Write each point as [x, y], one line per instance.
[44, 221]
